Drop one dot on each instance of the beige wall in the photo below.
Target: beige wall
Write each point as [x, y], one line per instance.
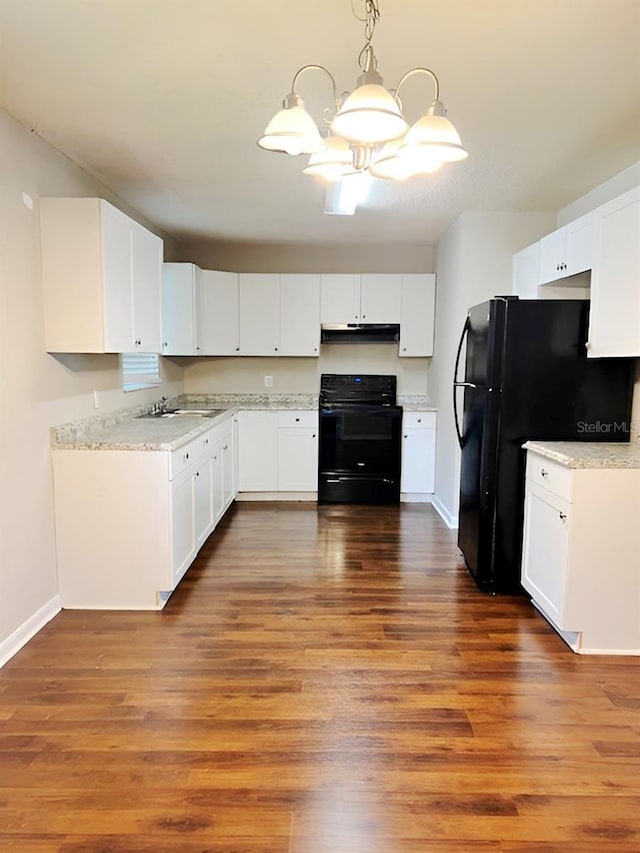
[38, 390]
[302, 375]
[301, 257]
[474, 263]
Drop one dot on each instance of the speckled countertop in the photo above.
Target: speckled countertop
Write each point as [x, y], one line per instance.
[582, 454]
[125, 430]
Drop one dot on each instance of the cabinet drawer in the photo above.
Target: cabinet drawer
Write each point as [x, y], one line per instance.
[419, 420]
[550, 475]
[194, 451]
[289, 419]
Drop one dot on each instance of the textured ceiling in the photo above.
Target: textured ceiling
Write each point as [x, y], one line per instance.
[163, 100]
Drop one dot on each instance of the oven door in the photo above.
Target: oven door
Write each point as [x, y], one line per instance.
[359, 454]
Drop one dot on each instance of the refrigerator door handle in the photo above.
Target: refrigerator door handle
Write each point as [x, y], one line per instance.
[456, 384]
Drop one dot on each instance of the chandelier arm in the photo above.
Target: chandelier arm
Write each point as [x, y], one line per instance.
[316, 68]
[413, 71]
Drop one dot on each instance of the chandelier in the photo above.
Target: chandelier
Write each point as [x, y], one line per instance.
[367, 132]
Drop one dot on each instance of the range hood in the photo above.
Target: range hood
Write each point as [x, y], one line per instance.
[360, 333]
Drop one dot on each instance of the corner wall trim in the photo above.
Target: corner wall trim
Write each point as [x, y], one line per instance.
[21, 636]
[450, 520]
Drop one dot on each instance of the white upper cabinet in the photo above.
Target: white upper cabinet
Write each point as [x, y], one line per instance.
[417, 315]
[101, 278]
[299, 314]
[568, 250]
[259, 313]
[380, 297]
[218, 313]
[179, 309]
[614, 322]
[526, 272]
[340, 298]
[366, 298]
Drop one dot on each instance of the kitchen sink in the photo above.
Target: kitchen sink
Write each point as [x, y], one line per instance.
[177, 413]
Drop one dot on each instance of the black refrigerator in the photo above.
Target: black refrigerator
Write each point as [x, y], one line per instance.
[527, 376]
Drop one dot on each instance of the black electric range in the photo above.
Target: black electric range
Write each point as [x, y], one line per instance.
[360, 439]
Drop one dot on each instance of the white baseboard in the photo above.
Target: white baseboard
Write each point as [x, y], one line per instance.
[450, 520]
[277, 496]
[28, 629]
[416, 498]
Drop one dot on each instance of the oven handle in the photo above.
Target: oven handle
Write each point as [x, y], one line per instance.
[374, 411]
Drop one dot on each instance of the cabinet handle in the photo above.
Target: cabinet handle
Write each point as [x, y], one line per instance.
[275, 349]
[206, 441]
[406, 436]
[165, 344]
[314, 435]
[226, 447]
[563, 516]
[138, 343]
[297, 420]
[544, 474]
[364, 316]
[197, 473]
[404, 349]
[419, 420]
[186, 455]
[237, 349]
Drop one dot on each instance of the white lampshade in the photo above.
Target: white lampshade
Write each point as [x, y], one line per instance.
[333, 162]
[433, 138]
[388, 164]
[370, 115]
[292, 130]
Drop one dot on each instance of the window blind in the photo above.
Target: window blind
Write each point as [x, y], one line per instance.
[140, 370]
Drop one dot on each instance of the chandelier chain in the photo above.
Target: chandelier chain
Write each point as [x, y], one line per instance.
[372, 16]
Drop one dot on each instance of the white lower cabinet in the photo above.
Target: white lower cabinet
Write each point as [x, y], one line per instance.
[277, 451]
[297, 451]
[130, 523]
[580, 562]
[257, 451]
[418, 453]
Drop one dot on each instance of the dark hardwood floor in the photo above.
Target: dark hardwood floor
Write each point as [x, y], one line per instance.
[324, 679]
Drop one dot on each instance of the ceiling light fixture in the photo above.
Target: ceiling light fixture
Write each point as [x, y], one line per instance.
[368, 131]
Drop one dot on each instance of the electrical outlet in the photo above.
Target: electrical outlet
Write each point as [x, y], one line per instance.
[268, 381]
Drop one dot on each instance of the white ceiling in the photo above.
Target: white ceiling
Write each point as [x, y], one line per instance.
[163, 100]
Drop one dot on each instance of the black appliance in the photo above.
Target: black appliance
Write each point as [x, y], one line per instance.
[359, 333]
[360, 439]
[527, 377]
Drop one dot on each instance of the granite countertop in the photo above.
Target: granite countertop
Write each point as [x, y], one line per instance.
[415, 403]
[126, 430]
[582, 454]
[135, 433]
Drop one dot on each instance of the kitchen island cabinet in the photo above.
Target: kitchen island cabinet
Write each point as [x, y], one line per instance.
[580, 558]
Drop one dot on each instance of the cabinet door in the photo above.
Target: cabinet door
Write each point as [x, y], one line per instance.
[546, 550]
[203, 512]
[526, 272]
[552, 256]
[297, 459]
[380, 298]
[579, 244]
[218, 313]
[340, 298]
[228, 471]
[614, 319]
[118, 291]
[300, 315]
[418, 461]
[417, 318]
[183, 542]
[146, 272]
[178, 309]
[257, 451]
[259, 313]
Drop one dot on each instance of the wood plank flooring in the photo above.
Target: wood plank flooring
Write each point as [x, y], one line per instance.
[324, 679]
